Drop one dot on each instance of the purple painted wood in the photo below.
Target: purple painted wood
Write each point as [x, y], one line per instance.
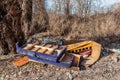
[51, 57]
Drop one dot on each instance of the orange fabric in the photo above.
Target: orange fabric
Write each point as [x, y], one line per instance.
[21, 61]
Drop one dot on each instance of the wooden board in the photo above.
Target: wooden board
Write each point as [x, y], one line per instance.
[76, 59]
[35, 49]
[22, 61]
[45, 49]
[28, 46]
[52, 50]
[82, 48]
[48, 46]
[77, 45]
[42, 50]
[49, 51]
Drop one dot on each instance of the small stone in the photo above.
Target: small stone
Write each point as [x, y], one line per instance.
[1, 78]
[14, 75]
[69, 75]
[20, 73]
[7, 76]
[75, 73]
[57, 69]
[115, 58]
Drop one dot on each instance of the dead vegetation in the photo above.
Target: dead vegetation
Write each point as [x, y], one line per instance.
[10, 26]
[93, 27]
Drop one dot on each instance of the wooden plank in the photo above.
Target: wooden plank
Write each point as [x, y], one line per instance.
[22, 61]
[42, 47]
[48, 46]
[83, 48]
[49, 51]
[52, 50]
[76, 59]
[77, 45]
[28, 46]
[35, 49]
[42, 50]
[45, 49]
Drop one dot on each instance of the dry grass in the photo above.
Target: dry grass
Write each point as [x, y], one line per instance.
[95, 27]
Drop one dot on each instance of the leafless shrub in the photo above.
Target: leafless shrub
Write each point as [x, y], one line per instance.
[93, 27]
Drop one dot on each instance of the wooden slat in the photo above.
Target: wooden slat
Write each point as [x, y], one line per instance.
[35, 49]
[76, 59]
[77, 45]
[52, 50]
[28, 46]
[49, 51]
[83, 48]
[43, 47]
[42, 50]
[48, 46]
[46, 49]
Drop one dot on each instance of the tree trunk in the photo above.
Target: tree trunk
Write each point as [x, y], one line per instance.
[26, 19]
[67, 9]
[10, 27]
[40, 19]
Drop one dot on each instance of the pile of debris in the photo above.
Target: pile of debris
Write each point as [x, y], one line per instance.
[59, 52]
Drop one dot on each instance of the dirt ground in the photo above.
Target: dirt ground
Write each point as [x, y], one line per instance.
[107, 68]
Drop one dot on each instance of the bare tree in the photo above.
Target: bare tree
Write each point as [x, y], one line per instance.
[57, 7]
[40, 19]
[85, 7]
[26, 18]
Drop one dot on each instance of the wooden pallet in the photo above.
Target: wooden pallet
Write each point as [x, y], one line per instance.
[47, 49]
